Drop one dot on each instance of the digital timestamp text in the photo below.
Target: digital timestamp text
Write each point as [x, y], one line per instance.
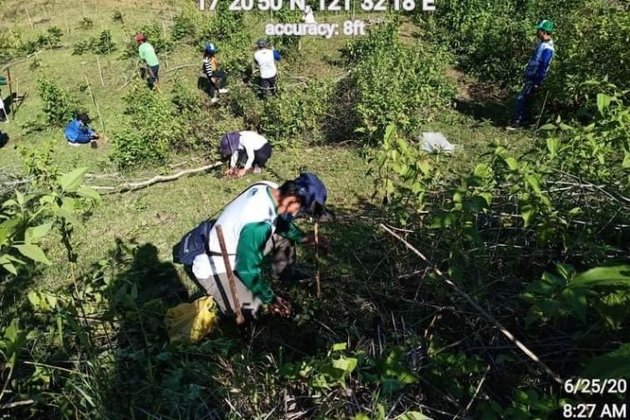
[592, 387]
[323, 5]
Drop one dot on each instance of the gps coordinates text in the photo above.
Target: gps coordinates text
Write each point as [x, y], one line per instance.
[327, 30]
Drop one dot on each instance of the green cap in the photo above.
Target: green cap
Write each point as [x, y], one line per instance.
[546, 25]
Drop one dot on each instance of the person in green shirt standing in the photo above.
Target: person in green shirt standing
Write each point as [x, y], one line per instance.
[148, 56]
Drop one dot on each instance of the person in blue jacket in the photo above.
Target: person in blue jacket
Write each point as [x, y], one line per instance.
[536, 70]
[78, 131]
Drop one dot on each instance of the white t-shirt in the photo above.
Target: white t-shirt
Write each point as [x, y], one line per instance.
[266, 62]
[253, 206]
[250, 141]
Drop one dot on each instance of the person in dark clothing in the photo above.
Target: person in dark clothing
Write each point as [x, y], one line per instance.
[217, 79]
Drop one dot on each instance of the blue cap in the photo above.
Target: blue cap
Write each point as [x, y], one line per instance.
[312, 190]
[210, 48]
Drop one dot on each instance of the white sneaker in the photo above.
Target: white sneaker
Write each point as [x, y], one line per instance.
[223, 90]
[257, 170]
[73, 144]
[214, 100]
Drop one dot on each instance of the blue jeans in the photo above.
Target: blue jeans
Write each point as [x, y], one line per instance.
[523, 100]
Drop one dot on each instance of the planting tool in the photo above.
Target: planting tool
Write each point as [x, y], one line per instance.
[226, 261]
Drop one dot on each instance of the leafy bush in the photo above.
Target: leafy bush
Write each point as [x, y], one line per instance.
[104, 43]
[101, 45]
[59, 105]
[296, 113]
[494, 39]
[224, 24]
[395, 82]
[225, 31]
[189, 108]
[184, 27]
[49, 40]
[149, 131]
[287, 44]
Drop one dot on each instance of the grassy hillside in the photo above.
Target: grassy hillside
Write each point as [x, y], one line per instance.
[387, 337]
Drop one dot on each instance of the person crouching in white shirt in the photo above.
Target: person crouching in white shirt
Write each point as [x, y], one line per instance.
[247, 146]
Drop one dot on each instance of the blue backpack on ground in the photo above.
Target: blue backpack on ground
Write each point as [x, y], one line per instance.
[276, 55]
[194, 243]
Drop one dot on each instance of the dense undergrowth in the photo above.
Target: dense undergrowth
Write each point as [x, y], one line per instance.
[538, 237]
[492, 39]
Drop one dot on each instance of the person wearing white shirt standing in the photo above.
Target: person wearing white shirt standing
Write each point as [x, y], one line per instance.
[247, 146]
[265, 58]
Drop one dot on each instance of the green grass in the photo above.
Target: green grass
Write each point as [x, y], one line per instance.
[162, 213]
[357, 281]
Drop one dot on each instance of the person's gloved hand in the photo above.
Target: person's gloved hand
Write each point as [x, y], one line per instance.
[281, 307]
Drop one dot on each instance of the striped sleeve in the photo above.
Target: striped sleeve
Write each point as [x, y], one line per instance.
[207, 68]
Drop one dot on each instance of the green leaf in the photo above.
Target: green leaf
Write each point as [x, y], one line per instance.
[88, 192]
[603, 101]
[413, 415]
[618, 275]
[576, 300]
[19, 197]
[512, 163]
[71, 181]
[7, 264]
[346, 364]
[626, 161]
[553, 144]
[339, 346]
[486, 196]
[615, 364]
[482, 171]
[33, 252]
[7, 228]
[34, 234]
[528, 212]
[534, 182]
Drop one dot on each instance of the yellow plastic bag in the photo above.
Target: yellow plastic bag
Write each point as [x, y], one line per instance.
[192, 321]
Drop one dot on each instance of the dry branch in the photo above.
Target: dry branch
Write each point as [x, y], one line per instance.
[486, 315]
[134, 186]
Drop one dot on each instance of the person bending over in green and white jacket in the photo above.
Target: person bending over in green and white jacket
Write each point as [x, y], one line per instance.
[257, 223]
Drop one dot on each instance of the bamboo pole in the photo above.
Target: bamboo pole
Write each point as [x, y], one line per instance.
[30, 21]
[98, 111]
[479, 309]
[100, 71]
[10, 94]
[317, 277]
